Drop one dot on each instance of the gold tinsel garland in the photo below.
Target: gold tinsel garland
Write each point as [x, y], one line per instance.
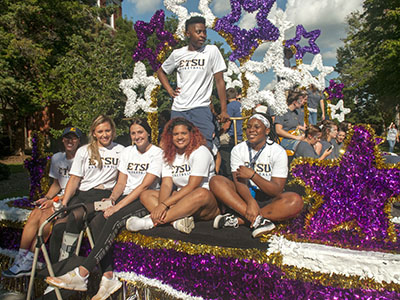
[152, 118]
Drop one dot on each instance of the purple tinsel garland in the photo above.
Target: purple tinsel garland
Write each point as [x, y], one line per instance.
[355, 190]
[23, 202]
[36, 166]
[244, 40]
[312, 36]
[214, 277]
[143, 31]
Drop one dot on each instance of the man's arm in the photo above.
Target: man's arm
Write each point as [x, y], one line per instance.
[164, 81]
[220, 83]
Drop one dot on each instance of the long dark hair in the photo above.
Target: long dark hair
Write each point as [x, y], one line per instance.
[144, 124]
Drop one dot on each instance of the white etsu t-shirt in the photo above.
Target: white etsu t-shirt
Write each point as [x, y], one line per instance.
[136, 165]
[86, 168]
[59, 169]
[199, 163]
[195, 74]
[272, 162]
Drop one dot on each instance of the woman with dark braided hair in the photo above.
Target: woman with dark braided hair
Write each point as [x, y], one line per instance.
[188, 165]
[259, 167]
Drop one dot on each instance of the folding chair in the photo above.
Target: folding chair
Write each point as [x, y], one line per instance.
[40, 245]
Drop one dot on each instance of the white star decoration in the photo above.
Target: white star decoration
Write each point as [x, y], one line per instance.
[232, 69]
[128, 86]
[343, 111]
[323, 72]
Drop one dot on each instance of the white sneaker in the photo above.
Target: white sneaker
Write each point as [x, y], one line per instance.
[70, 281]
[184, 225]
[261, 226]
[22, 266]
[136, 223]
[107, 288]
[49, 289]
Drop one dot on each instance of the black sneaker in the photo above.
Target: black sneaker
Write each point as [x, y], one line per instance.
[226, 220]
[261, 225]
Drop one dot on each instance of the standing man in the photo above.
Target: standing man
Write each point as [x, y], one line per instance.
[315, 98]
[197, 65]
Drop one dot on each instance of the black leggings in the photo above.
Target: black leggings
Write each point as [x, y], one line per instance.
[104, 232]
[74, 221]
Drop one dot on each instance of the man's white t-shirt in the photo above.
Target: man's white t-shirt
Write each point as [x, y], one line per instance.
[136, 165]
[86, 168]
[272, 162]
[59, 169]
[195, 74]
[199, 163]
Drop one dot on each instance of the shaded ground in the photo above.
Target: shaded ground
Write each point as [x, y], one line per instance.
[18, 183]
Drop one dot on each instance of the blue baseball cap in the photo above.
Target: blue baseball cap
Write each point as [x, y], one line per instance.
[74, 130]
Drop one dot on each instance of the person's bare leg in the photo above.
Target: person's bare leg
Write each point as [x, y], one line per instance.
[285, 206]
[225, 191]
[201, 202]
[30, 229]
[149, 199]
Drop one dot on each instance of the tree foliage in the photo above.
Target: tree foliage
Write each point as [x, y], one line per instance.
[369, 61]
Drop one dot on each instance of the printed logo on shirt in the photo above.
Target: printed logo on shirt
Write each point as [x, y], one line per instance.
[191, 64]
[135, 168]
[182, 170]
[263, 170]
[108, 162]
[64, 172]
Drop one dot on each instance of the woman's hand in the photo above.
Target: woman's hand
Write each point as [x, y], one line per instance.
[252, 211]
[244, 172]
[40, 201]
[46, 204]
[108, 212]
[159, 213]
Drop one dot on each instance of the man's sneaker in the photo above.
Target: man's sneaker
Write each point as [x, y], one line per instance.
[184, 225]
[226, 220]
[21, 267]
[135, 223]
[70, 281]
[107, 288]
[261, 225]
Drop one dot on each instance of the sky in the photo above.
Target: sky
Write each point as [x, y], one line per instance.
[327, 15]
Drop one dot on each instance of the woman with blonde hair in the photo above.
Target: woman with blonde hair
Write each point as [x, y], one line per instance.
[93, 175]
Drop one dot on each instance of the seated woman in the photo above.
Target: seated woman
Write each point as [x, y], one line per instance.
[140, 169]
[306, 148]
[59, 170]
[188, 165]
[340, 137]
[289, 125]
[329, 133]
[260, 168]
[93, 175]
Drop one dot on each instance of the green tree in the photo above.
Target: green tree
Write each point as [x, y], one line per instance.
[369, 62]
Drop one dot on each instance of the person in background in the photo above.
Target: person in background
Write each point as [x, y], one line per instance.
[260, 169]
[314, 99]
[59, 171]
[197, 66]
[290, 125]
[392, 136]
[306, 148]
[188, 166]
[329, 133]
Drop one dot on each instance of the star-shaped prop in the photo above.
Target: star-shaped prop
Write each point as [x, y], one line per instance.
[311, 36]
[334, 91]
[316, 64]
[128, 86]
[143, 31]
[353, 193]
[338, 107]
[233, 69]
[243, 41]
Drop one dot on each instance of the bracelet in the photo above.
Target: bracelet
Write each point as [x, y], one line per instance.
[252, 175]
[165, 205]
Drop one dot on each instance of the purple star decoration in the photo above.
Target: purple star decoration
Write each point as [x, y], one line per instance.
[354, 190]
[334, 90]
[311, 36]
[244, 40]
[143, 31]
